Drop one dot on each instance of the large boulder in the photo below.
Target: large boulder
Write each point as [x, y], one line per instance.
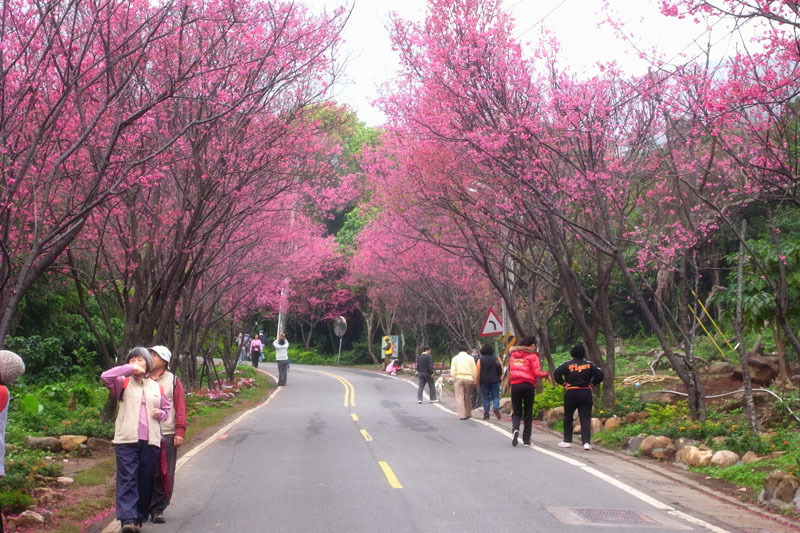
[666, 453]
[71, 442]
[663, 398]
[780, 489]
[762, 370]
[597, 426]
[103, 444]
[556, 414]
[693, 456]
[26, 519]
[505, 405]
[683, 442]
[612, 423]
[632, 444]
[50, 444]
[652, 442]
[750, 457]
[721, 367]
[724, 458]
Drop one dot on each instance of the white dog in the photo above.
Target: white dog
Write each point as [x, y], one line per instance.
[439, 386]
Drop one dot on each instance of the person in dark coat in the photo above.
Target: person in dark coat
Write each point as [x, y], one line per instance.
[490, 372]
[579, 378]
[425, 374]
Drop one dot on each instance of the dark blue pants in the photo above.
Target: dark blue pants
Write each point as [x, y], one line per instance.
[491, 394]
[136, 469]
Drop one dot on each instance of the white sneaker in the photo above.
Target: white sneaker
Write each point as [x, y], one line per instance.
[419, 401]
[564, 445]
[587, 446]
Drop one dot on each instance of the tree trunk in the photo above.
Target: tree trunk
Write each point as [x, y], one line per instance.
[739, 327]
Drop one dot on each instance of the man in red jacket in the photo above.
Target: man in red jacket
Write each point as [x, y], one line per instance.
[524, 370]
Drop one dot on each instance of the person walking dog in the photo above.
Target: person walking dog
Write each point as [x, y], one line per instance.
[425, 375]
[579, 378]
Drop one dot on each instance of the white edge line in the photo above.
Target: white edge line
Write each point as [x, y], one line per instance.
[203, 445]
[600, 475]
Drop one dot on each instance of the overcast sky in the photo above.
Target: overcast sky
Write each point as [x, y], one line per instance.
[371, 61]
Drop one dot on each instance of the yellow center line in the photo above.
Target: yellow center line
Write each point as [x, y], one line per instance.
[367, 436]
[349, 390]
[387, 471]
[354, 417]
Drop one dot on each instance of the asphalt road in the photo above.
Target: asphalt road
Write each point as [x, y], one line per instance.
[347, 450]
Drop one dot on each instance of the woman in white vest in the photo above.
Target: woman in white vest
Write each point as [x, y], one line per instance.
[137, 434]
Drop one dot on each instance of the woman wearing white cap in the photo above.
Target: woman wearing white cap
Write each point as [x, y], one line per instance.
[173, 431]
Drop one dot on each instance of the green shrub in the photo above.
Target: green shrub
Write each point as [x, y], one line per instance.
[44, 358]
[661, 415]
[551, 396]
[15, 502]
[21, 464]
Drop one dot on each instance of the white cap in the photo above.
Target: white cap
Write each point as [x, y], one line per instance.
[163, 352]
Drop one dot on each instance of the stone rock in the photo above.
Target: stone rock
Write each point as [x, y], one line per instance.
[664, 454]
[50, 444]
[556, 414]
[652, 442]
[724, 458]
[64, 480]
[721, 367]
[632, 444]
[46, 495]
[719, 441]
[71, 442]
[683, 442]
[750, 457]
[662, 398]
[100, 444]
[693, 456]
[634, 417]
[84, 451]
[779, 489]
[505, 405]
[597, 426]
[25, 519]
[762, 370]
[796, 379]
[612, 423]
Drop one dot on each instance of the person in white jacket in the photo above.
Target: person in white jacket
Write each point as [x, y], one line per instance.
[281, 346]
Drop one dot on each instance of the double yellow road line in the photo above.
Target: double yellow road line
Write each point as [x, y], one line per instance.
[349, 390]
[350, 401]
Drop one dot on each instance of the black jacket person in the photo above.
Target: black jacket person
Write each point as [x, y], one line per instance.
[579, 377]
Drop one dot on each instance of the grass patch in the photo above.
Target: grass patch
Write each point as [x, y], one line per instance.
[97, 474]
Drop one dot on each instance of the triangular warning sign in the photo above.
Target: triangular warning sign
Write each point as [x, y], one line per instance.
[492, 325]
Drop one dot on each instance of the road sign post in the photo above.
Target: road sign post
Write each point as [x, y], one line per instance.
[491, 325]
[339, 329]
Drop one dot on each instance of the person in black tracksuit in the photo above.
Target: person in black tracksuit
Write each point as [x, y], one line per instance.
[579, 377]
[425, 373]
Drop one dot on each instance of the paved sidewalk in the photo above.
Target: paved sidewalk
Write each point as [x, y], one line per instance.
[665, 483]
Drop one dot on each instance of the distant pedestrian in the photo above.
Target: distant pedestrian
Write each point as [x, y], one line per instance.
[11, 367]
[579, 378]
[263, 339]
[464, 373]
[524, 370]
[425, 375]
[281, 346]
[256, 347]
[173, 431]
[490, 372]
[244, 347]
[137, 434]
